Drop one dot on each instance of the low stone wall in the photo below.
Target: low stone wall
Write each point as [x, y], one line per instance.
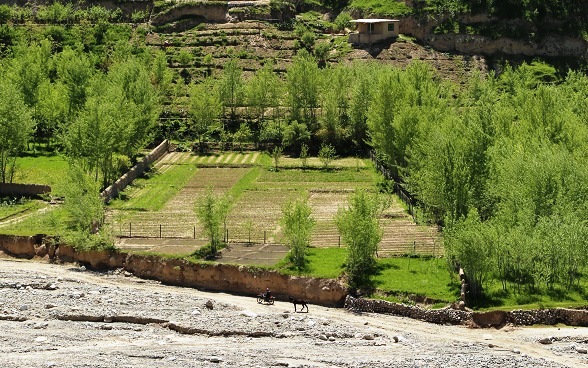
[218, 277]
[26, 190]
[136, 171]
[571, 317]
[438, 316]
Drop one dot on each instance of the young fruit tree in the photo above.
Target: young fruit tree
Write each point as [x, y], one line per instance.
[211, 211]
[360, 231]
[298, 225]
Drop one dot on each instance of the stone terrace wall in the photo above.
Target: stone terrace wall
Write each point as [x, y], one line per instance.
[136, 171]
[571, 317]
[438, 316]
[27, 190]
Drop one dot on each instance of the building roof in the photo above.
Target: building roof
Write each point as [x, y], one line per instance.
[374, 20]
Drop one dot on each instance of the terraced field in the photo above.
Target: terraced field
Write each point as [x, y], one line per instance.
[258, 196]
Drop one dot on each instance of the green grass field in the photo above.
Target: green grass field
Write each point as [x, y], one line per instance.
[496, 298]
[396, 278]
[42, 169]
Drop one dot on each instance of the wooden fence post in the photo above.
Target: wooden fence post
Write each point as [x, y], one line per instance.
[160, 230]
[130, 230]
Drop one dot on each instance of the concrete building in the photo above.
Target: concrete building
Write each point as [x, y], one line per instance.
[374, 30]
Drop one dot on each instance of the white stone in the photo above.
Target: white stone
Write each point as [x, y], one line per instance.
[41, 339]
[248, 313]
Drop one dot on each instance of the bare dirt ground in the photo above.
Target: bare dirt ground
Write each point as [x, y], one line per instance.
[66, 316]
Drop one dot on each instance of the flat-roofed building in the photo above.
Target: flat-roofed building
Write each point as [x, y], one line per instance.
[374, 30]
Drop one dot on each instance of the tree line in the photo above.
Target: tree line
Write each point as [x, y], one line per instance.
[498, 162]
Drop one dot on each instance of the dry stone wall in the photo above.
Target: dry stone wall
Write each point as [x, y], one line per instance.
[572, 317]
[136, 171]
[27, 190]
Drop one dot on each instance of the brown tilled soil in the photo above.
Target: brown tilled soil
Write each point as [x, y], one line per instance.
[66, 316]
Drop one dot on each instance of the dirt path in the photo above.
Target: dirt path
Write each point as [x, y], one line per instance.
[236, 332]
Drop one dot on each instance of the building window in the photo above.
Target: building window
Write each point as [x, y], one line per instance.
[370, 27]
[390, 27]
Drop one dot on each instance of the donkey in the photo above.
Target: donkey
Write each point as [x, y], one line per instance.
[298, 301]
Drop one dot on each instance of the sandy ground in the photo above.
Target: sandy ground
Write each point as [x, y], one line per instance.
[66, 316]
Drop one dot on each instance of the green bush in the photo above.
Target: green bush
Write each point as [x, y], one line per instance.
[5, 13]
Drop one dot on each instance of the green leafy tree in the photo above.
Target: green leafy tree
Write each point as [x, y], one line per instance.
[231, 87]
[16, 127]
[304, 156]
[243, 135]
[360, 231]
[205, 110]
[75, 71]
[83, 202]
[297, 224]
[263, 91]
[327, 154]
[212, 210]
[303, 86]
[295, 135]
[277, 155]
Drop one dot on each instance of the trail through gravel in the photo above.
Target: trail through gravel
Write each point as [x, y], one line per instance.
[65, 316]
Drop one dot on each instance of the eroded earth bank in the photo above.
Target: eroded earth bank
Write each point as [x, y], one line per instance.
[65, 316]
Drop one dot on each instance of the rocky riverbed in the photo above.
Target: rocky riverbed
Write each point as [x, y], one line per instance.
[67, 316]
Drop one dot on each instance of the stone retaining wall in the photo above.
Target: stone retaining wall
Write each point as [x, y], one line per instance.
[27, 190]
[136, 171]
[572, 317]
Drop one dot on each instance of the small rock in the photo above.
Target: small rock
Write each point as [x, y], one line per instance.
[365, 323]
[214, 359]
[368, 337]
[38, 326]
[491, 345]
[516, 351]
[127, 274]
[582, 350]
[248, 313]
[50, 364]
[379, 343]
[52, 287]
[24, 307]
[395, 338]
[196, 312]
[49, 306]
[108, 319]
[83, 268]
[546, 341]
[282, 363]
[323, 337]
[41, 339]
[172, 358]
[331, 338]
[209, 304]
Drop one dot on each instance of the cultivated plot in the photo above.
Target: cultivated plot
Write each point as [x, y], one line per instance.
[259, 194]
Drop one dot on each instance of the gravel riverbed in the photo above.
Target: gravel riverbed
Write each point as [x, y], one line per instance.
[66, 316]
